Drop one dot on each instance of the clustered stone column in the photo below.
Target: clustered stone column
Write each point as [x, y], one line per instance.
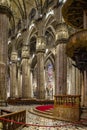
[13, 75]
[4, 23]
[84, 88]
[19, 82]
[84, 72]
[26, 80]
[61, 59]
[73, 78]
[78, 82]
[40, 50]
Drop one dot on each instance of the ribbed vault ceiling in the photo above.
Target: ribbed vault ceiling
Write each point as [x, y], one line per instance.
[21, 8]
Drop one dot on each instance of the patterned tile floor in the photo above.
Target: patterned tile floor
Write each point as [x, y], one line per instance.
[37, 120]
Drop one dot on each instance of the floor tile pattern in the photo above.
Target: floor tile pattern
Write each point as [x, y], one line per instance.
[37, 120]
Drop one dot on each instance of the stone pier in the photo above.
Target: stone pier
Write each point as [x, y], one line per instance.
[4, 24]
[40, 69]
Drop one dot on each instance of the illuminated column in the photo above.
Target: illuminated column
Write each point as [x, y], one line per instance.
[4, 24]
[13, 75]
[26, 74]
[61, 59]
[40, 48]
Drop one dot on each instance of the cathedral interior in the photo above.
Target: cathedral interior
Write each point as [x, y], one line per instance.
[43, 60]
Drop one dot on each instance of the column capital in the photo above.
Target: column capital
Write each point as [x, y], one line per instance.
[62, 32]
[61, 41]
[41, 44]
[14, 56]
[25, 52]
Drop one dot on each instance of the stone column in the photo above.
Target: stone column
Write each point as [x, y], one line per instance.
[61, 59]
[71, 70]
[4, 24]
[78, 82]
[73, 78]
[40, 50]
[84, 88]
[19, 82]
[13, 75]
[26, 78]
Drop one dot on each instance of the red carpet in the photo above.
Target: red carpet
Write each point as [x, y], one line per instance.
[44, 108]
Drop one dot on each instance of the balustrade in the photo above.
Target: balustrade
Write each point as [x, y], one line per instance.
[67, 100]
[13, 121]
[67, 107]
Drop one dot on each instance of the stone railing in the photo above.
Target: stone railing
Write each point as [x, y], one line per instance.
[67, 100]
[67, 107]
[13, 121]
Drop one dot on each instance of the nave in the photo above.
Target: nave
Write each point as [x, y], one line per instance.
[43, 56]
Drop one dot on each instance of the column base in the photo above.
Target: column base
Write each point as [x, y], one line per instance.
[3, 103]
[83, 112]
[83, 116]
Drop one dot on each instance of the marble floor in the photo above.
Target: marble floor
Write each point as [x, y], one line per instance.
[47, 123]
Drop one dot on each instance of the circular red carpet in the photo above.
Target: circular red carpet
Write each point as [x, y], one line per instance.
[44, 107]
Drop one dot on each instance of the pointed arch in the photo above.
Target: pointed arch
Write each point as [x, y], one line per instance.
[50, 75]
[50, 28]
[51, 57]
